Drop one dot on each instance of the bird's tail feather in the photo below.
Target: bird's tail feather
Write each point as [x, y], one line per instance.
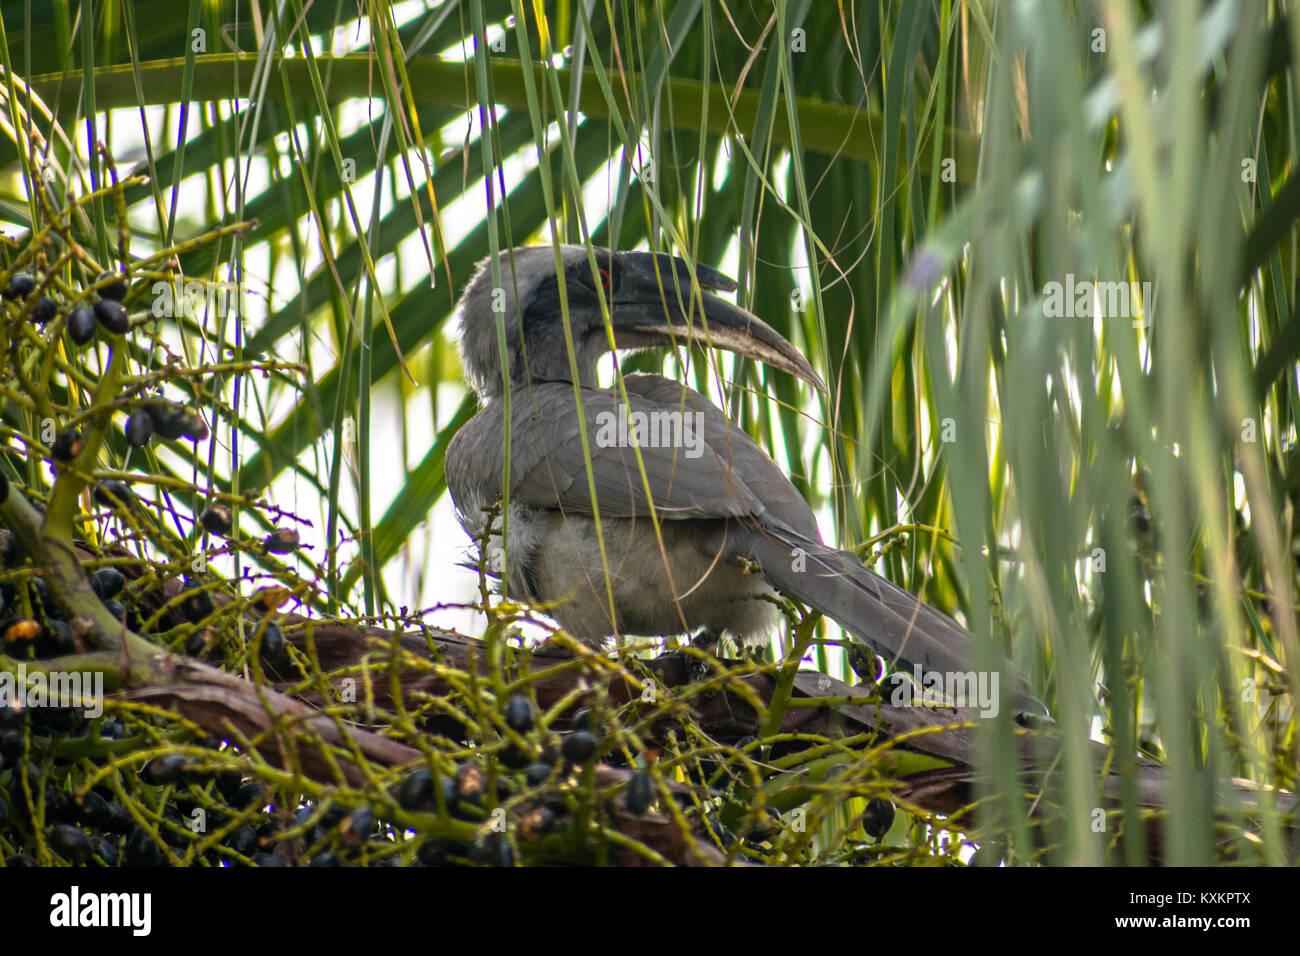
[904, 630]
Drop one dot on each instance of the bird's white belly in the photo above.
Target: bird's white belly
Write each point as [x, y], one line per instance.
[702, 590]
[559, 561]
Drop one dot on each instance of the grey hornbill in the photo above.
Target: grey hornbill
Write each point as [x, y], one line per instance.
[721, 505]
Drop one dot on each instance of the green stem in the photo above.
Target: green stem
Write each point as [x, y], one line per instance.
[780, 702]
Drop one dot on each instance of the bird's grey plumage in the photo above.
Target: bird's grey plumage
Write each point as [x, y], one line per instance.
[721, 504]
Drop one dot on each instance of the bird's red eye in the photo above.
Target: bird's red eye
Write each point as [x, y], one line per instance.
[604, 279]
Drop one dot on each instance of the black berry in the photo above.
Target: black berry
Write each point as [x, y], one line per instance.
[81, 324]
[878, 817]
[217, 520]
[21, 285]
[113, 316]
[67, 445]
[139, 428]
[114, 288]
[579, 746]
[519, 713]
[640, 793]
[44, 310]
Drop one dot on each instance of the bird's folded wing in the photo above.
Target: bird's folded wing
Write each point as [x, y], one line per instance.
[697, 463]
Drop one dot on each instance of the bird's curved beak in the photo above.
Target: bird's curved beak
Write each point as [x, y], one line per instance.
[653, 307]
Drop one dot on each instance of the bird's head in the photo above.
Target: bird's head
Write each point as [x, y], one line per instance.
[651, 305]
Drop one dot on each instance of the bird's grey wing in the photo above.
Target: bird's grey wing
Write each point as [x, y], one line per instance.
[717, 471]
